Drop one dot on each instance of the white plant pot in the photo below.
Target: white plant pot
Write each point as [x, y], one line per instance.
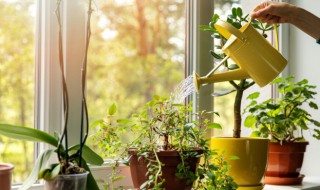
[68, 182]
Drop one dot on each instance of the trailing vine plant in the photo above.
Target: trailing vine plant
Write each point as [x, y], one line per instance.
[163, 125]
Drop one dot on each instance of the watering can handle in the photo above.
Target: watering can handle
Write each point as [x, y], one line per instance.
[226, 29]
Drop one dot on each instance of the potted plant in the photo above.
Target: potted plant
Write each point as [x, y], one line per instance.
[249, 170]
[72, 170]
[283, 121]
[166, 150]
[6, 170]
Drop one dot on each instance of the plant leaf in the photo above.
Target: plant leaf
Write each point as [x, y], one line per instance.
[88, 155]
[254, 95]
[234, 157]
[27, 134]
[91, 182]
[112, 109]
[214, 126]
[39, 165]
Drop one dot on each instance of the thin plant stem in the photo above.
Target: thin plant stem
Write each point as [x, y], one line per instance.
[84, 112]
[64, 90]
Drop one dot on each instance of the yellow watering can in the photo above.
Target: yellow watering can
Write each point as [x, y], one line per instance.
[254, 55]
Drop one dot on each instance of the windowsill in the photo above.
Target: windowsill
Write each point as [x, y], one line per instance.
[102, 173]
[309, 183]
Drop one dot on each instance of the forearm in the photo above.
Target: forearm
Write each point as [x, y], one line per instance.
[307, 22]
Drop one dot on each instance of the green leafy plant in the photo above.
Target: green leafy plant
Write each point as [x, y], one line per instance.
[237, 19]
[163, 125]
[72, 159]
[285, 119]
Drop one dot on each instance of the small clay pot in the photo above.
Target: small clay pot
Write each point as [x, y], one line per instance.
[6, 176]
[285, 162]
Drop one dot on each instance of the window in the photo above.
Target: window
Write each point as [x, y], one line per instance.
[17, 80]
[137, 50]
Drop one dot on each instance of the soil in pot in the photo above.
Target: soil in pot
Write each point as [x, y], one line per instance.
[5, 176]
[171, 160]
[285, 162]
[70, 182]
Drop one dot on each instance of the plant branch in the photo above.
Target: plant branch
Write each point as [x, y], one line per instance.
[84, 112]
[64, 90]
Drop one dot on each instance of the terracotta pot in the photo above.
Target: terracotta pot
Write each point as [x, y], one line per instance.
[285, 162]
[5, 176]
[170, 159]
[248, 171]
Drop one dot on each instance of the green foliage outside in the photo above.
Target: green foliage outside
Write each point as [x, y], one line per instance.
[17, 81]
[137, 50]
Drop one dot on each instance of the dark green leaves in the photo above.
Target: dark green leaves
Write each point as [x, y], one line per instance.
[283, 117]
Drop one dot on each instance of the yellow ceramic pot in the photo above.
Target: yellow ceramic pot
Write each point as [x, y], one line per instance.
[248, 171]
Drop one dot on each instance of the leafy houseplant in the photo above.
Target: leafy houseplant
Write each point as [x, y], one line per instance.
[286, 119]
[72, 159]
[255, 169]
[166, 143]
[284, 122]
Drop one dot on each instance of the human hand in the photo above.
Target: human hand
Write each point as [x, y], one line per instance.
[272, 12]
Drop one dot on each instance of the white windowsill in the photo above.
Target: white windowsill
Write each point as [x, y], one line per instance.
[309, 183]
[103, 172]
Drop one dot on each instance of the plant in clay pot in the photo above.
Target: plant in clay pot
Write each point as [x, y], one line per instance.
[71, 171]
[166, 150]
[6, 175]
[283, 121]
[249, 170]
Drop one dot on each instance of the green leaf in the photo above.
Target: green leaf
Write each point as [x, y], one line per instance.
[215, 18]
[112, 109]
[239, 12]
[254, 95]
[214, 126]
[313, 105]
[91, 182]
[234, 12]
[215, 55]
[38, 166]
[250, 121]
[88, 155]
[237, 25]
[233, 67]
[255, 134]
[27, 134]
[206, 28]
[50, 173]
[276, 81]
[234, 157]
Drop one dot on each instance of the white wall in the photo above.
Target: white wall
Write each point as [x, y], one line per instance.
[304, 62]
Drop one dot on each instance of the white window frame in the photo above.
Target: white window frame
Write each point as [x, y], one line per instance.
[48, 105]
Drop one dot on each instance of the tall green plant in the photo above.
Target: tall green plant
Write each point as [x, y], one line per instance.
[237, 19]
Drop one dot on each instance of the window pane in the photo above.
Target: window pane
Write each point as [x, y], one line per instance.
[136, 50]
[17, 81]
[224, 104]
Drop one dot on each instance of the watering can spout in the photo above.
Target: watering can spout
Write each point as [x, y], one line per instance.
[237, 74]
